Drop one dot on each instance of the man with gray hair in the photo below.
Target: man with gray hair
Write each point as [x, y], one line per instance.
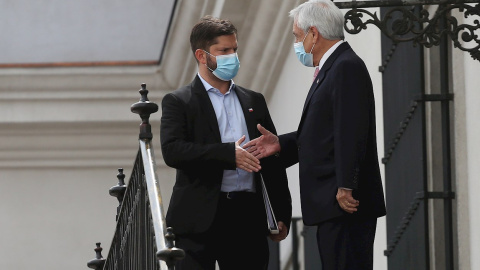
[335, 143]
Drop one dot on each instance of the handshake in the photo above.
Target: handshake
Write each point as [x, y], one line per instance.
[247, 157]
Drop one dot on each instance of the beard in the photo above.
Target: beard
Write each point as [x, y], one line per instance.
[210, 64]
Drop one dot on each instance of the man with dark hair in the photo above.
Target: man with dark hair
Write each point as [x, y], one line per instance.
[217, 210]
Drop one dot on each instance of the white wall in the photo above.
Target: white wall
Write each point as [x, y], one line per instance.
[52, 218]
[466, 112]
[472, 101]
[286, 104]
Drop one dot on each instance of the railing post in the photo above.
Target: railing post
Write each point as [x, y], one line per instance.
[294, 228]
[119, 190]
[170, 254]
[144, 108]
[141, 238]
[99, 261]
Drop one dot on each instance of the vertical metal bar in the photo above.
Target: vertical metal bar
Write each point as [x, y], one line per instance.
[425, 162]
[424, 155]
[142, 224]
[295, 245]
[446, 153]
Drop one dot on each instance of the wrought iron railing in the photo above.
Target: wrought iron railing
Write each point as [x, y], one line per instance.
[423, 28]
[141, 239]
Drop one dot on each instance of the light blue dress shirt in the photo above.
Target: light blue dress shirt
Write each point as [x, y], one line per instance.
[232, 125]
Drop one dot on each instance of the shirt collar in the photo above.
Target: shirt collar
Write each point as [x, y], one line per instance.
[209, 87]
[328, 53]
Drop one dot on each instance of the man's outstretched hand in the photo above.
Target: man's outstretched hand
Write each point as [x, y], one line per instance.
[244, 159]
[263, 146]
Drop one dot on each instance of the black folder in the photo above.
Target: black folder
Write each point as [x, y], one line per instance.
[271, 220]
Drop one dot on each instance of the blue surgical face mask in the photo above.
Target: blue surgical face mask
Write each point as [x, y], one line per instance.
[305, 58]
[227, 66]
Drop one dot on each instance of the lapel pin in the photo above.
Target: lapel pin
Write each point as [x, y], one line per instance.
[250, 110]
[318, 80]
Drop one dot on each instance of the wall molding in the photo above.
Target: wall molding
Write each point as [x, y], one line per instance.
[72, 145]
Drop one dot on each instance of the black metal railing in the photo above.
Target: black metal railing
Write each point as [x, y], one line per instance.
[423, 28]
[141, 239]
[133, 245]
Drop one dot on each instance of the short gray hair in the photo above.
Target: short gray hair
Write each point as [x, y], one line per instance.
[322, 14]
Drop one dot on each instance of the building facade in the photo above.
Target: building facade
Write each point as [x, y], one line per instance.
[66, 128]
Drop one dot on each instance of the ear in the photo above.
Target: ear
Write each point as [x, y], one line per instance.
[201, 56]
[315, 33]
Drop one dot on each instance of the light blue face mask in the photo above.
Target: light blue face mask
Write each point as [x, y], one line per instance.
[305, 58]
[227, 66]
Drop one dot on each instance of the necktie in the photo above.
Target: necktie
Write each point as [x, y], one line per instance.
[316, 73]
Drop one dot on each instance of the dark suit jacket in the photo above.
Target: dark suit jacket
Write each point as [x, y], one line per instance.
[191, 143]
[335, 143]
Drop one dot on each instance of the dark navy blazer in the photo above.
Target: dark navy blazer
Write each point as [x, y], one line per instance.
[335, 143]
[191, 143]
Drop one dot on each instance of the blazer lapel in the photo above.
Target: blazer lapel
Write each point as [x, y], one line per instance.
[316, 83]
[246, 103]
[206, 106]
[320, 78]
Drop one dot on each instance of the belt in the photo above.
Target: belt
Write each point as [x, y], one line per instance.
[235, 195]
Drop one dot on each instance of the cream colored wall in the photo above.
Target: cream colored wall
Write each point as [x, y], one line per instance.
[286, 105]
[466, 134]
[51, 218]
[467, 155]
[472, 97]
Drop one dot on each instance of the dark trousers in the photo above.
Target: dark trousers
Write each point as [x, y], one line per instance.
[236, 240]
[346, 243]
